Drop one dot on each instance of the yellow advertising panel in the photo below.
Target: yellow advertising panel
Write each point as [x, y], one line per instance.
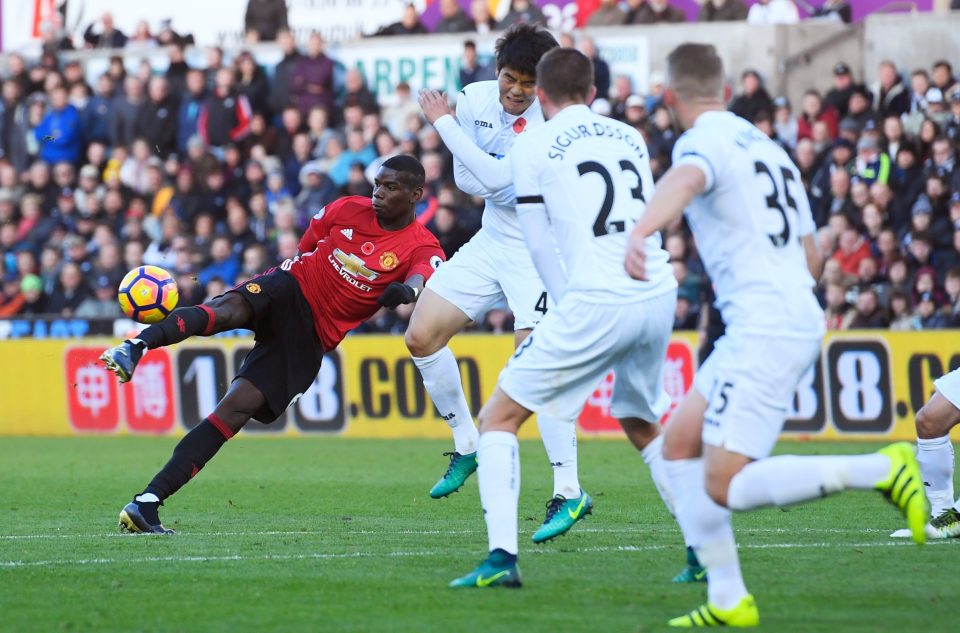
[866, 385]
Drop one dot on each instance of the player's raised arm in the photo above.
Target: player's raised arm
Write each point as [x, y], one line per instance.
[675, 190]
[492, 174]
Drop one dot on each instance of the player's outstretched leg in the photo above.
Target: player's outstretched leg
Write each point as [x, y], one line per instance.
[499, 480]
[222, 313]
[569, 503]
[190, 456]
[433, 324]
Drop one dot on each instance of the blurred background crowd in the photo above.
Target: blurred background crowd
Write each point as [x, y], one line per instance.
[212, 171]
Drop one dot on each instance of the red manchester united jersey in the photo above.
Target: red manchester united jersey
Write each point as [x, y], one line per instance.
[348, 261]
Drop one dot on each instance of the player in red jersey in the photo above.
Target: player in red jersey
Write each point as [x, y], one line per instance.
[357, 255]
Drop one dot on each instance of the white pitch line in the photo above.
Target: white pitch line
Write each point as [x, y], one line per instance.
[589, 530]
[397, 554]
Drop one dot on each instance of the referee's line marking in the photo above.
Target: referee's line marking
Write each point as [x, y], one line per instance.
[10, 564]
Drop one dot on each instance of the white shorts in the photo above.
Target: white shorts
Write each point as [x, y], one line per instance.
[486, 271]
[556, 368]
[749, 382]
[949, 387]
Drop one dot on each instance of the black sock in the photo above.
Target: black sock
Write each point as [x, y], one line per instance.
[180, 325]
[195, 449]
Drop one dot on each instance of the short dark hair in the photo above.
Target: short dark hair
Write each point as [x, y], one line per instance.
[696, 71]
[522, 46]
[412, 172]
[565, 74]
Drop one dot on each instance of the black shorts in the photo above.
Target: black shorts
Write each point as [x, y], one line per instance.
[286, 354]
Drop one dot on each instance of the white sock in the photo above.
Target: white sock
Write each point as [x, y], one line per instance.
[147, 497]
[441, 378]
[788, 479]
[560, 440]
[653, 457]
[498, 475]
[936, 465]
[708, 529]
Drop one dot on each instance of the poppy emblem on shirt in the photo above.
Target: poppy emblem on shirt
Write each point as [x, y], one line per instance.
[389, 260]
[367, 248]
[519, 125]
[253, 288]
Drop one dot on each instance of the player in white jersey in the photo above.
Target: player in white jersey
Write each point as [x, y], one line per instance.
[935, 454]
[581, 181]
[494, 265]
[747, 209]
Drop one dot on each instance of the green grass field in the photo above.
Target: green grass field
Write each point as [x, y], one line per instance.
[340, 535]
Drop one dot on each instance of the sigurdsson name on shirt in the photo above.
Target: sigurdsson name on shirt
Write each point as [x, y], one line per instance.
[595, 130]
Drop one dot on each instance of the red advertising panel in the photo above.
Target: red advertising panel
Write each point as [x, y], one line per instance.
[92, 397]
[148, 398]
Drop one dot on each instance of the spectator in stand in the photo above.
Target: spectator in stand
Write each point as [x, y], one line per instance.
[836, 309]
[252, 83]
[106, 36]
[141, 36]
[859, 111]
[872, 165]
[653, 12]
[317, 190]
[928, 315]
[722, 11]
[34, 299]
[522, 11]
[952, 126]
[224, 264]
[814, 110]
[191, 104]
[843, 87]
[601, 71]
[608, 13]
[157, 119]
[951, 287]
[943, 76]
[409, 24]
[753, 99]
[103, 303]
[937, 110]
[282, 72]
[785, 122]
[868, 313]
[225, 116]
[453, 19]
[264, 19]
[773, 12]
[852, 249]
[60, 134]
[836, 10]
[70, 292]
[177, 70]
[311, 79]
[356, 93]
[483, 21]
[471, 70]
[890, 96]
[123, 121]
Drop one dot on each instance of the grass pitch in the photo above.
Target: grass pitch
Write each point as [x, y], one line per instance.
[313, 534]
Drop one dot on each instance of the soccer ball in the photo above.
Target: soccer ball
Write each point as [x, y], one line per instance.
[148, 294]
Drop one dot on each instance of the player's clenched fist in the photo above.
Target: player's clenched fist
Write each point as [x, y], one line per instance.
[397, 293]
[635, 262]
[434, 105]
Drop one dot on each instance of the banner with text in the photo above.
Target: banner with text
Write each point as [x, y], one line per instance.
[865, 385]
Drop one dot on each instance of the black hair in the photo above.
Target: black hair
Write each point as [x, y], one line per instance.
[522, 46]
[410, 170]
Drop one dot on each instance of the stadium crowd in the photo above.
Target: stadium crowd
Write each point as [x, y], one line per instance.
[213, 172]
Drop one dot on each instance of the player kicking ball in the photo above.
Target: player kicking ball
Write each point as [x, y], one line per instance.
[935, 454]
[581, 181]
[494, 265]
[746, 207]
[358, 254]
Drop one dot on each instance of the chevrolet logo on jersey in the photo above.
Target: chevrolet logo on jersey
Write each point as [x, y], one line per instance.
[351, 268]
